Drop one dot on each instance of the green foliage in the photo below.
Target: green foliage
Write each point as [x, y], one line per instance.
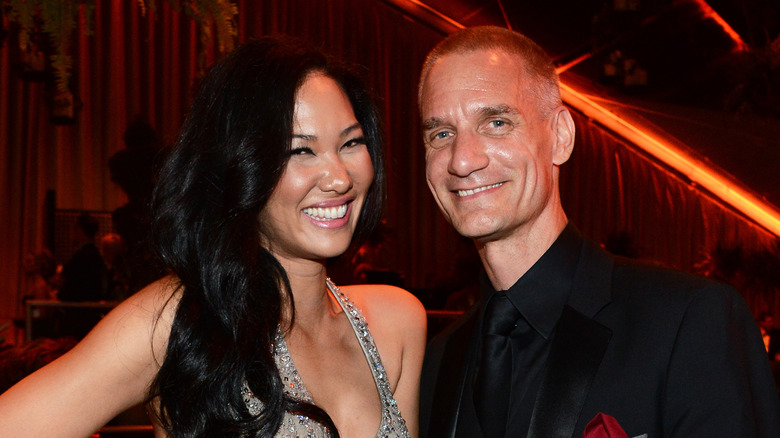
[208, 15]
[23, 13]
[59, 19]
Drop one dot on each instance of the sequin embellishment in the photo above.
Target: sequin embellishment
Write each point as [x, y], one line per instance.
[392, 424]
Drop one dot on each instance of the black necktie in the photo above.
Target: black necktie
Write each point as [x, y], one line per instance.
[494, 376]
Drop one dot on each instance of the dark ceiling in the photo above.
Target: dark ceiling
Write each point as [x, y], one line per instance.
[684, 72]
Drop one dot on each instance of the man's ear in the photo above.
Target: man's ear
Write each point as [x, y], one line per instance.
[563, 127]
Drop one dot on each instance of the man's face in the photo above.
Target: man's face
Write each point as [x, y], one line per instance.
[491, 158]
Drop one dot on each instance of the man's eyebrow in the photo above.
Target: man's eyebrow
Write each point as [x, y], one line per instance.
[496, 110]
[487, 111]
[431, 123]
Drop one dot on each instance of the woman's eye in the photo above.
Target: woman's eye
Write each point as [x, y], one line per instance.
[301, 151]
[359, 141]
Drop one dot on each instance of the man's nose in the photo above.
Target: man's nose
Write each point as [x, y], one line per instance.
[468, 155]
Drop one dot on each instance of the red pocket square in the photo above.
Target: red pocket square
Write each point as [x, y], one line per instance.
[603, 426]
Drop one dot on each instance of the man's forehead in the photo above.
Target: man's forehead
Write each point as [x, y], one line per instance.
[471, 92]
[476, 71]
[495, 55]
[483, 59]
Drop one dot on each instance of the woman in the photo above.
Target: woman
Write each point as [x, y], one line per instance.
[277, 166]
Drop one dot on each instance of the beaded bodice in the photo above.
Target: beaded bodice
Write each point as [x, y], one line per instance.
[392, 423]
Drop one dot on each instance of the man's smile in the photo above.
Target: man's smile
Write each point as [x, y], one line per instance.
[469, 192]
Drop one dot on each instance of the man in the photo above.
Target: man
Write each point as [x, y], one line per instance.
[84, 278]
[565, 334]
[84, 275]
[770, 335]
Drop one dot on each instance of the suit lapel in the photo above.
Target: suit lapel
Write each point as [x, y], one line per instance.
[575, 356]
[577, 350]
[451, 380]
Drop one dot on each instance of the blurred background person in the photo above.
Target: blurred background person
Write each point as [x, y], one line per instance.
[134, 169]
[83, 279]
[84, 274]
[771, 335]
[117, 270]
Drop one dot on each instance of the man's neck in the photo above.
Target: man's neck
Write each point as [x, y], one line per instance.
[506, 260]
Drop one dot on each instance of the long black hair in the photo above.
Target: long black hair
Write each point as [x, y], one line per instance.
[228, 159]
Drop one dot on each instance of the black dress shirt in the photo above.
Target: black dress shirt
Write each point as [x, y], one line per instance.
[540, 295]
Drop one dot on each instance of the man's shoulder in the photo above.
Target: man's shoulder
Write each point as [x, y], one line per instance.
[650, 288]
[654, 278]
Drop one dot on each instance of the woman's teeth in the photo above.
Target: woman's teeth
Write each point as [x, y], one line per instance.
[327, 213]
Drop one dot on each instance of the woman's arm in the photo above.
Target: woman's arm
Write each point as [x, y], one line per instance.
[105, 374]
[398, 323]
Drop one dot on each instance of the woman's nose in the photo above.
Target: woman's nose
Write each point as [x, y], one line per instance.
[336, 177]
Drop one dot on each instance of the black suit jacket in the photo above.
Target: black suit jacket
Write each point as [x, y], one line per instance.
[665, 353]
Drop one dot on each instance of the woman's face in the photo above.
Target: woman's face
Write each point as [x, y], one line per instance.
[314, 209]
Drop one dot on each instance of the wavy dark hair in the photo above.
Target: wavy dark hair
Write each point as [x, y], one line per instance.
[229, 157]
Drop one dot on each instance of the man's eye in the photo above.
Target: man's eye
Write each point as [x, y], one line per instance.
[498, 123]
[439, 139]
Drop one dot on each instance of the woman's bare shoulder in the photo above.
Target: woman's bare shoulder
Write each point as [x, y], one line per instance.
[157, 300]
[156, 303]
[386, 306]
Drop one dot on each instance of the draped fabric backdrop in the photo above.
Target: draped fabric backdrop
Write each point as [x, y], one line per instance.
[609, 186]
[147, 65]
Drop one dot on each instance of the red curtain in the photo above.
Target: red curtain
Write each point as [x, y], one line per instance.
[145, 66]
[610, 187]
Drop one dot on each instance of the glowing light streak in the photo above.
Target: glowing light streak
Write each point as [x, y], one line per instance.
[573, 62]
[697, 171]
[708, 12]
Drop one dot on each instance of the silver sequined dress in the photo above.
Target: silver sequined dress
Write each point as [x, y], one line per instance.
[392, 424]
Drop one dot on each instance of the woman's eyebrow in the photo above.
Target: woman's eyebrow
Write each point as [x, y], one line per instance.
[350, 129]
[313, 137]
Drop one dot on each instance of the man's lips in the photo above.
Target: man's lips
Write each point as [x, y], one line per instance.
[469, 192]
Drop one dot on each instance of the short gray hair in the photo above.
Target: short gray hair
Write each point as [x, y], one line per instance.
[535, 62]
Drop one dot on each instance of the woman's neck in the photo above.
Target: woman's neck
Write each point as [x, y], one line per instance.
[312, 300]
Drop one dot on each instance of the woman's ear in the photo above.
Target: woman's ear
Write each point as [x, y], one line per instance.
[563, 127]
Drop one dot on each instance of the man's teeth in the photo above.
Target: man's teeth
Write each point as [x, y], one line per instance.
[477, 190]
[327, 213]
